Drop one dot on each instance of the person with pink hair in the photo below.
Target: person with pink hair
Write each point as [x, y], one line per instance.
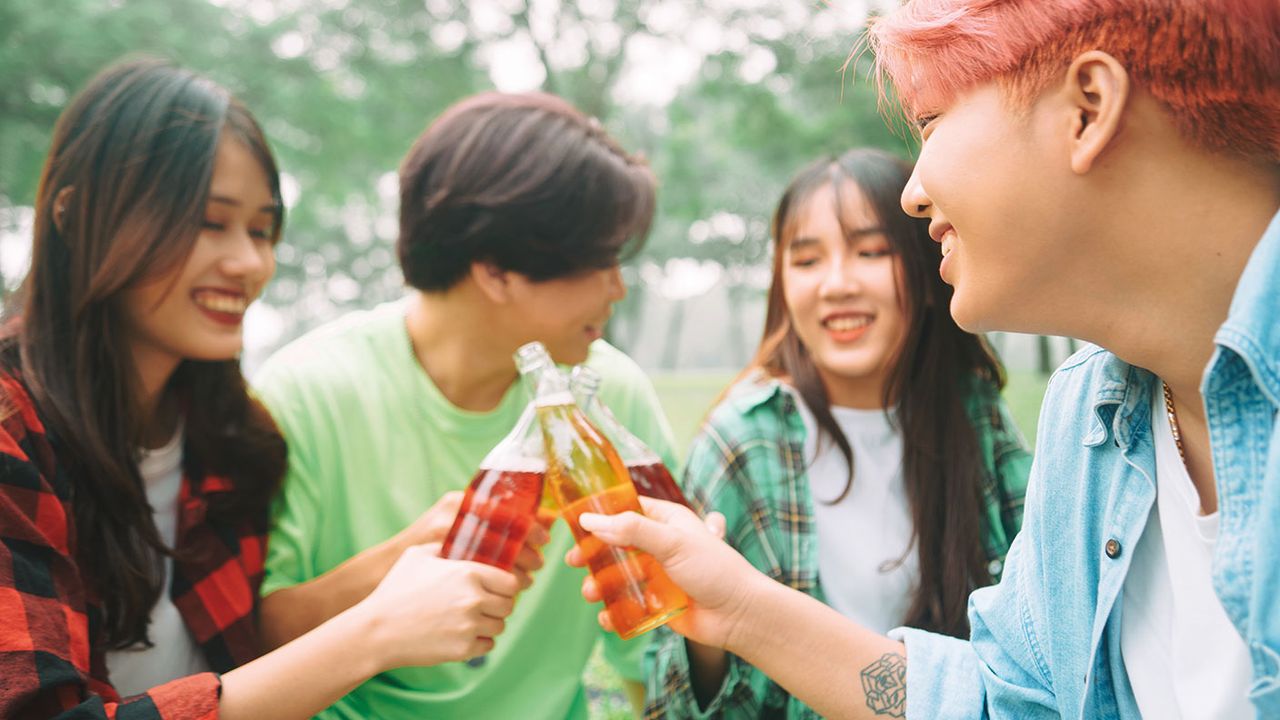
[1107, 170]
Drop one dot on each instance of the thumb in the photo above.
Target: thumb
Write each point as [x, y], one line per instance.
[633, 529]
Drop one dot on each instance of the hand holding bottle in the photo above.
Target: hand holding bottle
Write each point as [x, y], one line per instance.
[720, 582]
[428, 610]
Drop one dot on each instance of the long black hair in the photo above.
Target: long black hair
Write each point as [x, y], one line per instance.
[934, 372]
[120, 201]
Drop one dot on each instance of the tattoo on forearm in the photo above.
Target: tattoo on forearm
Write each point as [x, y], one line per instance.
[884, 682]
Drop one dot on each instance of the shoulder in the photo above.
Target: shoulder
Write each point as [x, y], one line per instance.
[757, 414]
[615, 367]
[333, 355]
[20, 423]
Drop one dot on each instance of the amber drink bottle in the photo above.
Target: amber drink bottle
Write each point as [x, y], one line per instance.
[649, 474]
[585, 474]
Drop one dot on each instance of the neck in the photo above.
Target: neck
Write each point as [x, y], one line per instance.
[159, 408]
[455, 343]
[1166, 288]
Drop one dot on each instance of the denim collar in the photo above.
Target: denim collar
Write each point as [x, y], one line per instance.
[1252, 329]
[1121, 402]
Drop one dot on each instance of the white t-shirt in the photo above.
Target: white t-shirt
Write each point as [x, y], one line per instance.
[868, 567]
[1184, 657]
[174, 652]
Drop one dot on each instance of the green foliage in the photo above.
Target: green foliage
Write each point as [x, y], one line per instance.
[344, 86]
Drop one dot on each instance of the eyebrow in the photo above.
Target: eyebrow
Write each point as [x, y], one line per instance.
[803, 242]
[224, 200]
[863, 232]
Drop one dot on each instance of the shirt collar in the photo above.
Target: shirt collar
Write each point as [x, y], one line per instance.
[1252, 329]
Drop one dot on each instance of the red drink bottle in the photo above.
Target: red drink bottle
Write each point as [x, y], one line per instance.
[648, 473]
[503, 499]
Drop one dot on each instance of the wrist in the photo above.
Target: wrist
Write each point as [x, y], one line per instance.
[744, 633]
[366, 636]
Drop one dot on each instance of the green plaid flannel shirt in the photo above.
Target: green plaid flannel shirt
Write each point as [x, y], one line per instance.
[748, 463]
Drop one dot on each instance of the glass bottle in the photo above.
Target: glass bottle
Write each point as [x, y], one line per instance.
[648, 473]
[503, 500]
[585, 474]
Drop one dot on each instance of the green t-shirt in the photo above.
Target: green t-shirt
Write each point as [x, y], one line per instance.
[372, 444]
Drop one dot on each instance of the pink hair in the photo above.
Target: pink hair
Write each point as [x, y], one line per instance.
[1214, 64]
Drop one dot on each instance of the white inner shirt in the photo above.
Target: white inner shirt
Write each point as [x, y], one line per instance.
[868, 567]
[1184, 657]
[174, 652]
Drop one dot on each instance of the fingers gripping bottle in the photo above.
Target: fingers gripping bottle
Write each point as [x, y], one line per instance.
[585, 474]
[648, 473]
[502, 502]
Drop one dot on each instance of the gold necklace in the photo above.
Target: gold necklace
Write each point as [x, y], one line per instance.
[1173, 421]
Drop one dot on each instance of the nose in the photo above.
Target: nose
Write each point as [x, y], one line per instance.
[840, 280]
[250, 258]
[915, 202]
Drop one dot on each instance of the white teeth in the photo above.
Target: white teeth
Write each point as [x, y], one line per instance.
[218, 302]
[845, 324]
[948, 243]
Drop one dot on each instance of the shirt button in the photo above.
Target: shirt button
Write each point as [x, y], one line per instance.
[1113, 548]
[994, 567]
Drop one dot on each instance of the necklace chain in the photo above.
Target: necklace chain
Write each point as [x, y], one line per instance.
[1173, 421]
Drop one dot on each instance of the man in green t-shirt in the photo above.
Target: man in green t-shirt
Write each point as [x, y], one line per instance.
[515, 210]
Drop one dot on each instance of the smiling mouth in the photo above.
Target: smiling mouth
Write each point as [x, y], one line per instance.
[846, 323]
[221, 302]
[948, 242]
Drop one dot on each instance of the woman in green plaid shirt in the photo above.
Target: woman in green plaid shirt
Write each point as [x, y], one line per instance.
[865, 456]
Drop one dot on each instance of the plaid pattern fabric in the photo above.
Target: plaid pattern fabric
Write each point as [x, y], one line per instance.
[748, 463]
[49, 663]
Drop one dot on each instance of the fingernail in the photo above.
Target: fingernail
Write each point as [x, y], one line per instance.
[592, 521]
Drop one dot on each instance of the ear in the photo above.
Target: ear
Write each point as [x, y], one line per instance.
[492, 280]
[60, 207]
[1097, 86]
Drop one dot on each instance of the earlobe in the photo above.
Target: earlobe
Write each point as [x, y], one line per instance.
[1098, 89]
[492, 280]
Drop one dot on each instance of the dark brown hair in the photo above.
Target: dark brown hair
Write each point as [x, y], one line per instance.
[524, 181]
[127, 174]
[936, 369]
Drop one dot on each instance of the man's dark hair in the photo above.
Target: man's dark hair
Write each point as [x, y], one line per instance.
[524, 181]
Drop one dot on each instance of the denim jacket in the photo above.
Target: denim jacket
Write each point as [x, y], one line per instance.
[1046, 641]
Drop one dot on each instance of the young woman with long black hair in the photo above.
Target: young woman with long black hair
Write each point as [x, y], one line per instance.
[136, 469]
[864, 456]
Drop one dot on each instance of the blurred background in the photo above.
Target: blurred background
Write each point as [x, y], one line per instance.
[726, 99]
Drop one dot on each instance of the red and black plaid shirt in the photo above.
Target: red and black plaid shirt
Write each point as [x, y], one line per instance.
[49, 664]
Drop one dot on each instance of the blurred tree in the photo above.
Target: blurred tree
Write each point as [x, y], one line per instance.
[725, 97]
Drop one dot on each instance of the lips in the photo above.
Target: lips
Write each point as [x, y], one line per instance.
[847, 327]
[846, 323]
[948, 241]
[226, 302]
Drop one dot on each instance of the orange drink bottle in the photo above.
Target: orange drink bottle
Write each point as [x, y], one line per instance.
[585, 474]
[503, 500]
[649, 474]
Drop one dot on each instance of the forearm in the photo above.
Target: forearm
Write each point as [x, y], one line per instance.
[830, 663]
[290, 613]
[305, 676]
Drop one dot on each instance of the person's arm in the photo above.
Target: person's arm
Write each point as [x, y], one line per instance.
[289, 612]
[425, 611]
[835, 666]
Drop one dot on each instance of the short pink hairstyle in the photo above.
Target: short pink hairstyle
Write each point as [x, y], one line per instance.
[1214, 64]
